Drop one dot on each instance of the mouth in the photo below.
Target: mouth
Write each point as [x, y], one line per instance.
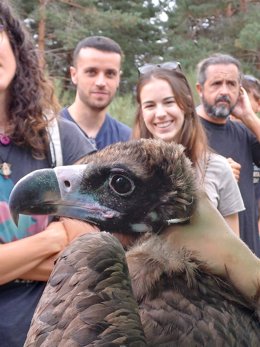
[99, 93]
[223, 102]
[164, 125]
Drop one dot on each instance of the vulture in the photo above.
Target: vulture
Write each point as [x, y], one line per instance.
[163, 269]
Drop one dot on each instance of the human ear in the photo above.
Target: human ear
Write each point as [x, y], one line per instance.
[199, 89]
[73, 74]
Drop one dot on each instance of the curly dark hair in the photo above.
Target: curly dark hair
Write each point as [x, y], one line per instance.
[31, 94]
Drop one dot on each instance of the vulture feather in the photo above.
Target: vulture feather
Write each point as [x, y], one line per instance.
[177, 283]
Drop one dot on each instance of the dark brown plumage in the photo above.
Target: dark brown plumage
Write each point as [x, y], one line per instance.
[134, 188]
[88, 300]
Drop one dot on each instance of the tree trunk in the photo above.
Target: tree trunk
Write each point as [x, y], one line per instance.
[41, 31]
[243, 6]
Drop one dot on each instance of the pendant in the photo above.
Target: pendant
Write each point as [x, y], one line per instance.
[4, 140]
[5, 170]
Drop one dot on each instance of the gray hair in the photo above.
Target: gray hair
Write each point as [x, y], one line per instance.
[216, 59]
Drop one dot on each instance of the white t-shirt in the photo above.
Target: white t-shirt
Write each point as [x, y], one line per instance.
[221, 186]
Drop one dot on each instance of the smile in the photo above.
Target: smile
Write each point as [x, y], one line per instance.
[163, 125]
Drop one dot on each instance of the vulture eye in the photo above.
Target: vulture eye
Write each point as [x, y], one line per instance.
[121, 185]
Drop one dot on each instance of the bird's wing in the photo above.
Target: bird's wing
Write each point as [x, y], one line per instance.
[182, 304]
[88, 300]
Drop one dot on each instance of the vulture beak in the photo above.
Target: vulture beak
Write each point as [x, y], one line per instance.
[58, 192]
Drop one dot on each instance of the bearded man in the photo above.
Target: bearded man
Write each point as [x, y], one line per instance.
[221, 94]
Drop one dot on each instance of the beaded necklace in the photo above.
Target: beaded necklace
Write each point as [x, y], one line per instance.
[5, 167]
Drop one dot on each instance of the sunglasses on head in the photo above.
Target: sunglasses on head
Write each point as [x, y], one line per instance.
[251, 79]
[170, 65]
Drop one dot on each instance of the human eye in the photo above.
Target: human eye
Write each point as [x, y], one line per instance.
[169, 101]
[111, 73]
[90, 72]
[148, 106]
[232, 83]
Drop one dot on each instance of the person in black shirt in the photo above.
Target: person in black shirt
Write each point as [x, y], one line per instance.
[221, 93]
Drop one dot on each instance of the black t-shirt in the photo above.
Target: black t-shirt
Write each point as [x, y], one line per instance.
[236, 141]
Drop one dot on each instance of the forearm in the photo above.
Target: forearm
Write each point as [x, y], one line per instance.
[42, 271]
[239, 260]
[22, 256]
[213, 243]
[33, 257]
[233, 221]
[252, 122]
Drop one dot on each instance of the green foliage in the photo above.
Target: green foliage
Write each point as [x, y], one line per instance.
[123, 108]
[128, 23]
[194, 29]
[198, 28]
[66, 95]
[250, 37]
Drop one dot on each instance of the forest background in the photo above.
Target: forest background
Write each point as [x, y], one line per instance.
[149, 31]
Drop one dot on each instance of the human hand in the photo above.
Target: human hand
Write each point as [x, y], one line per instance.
[57, 235]
[243, 107]
[235, 167]
[218, 247]
[75, 228]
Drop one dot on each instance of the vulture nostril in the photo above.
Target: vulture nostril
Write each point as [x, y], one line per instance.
[67, 183]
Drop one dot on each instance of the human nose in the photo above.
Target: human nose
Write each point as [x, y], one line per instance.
[100, 80]
[224, 90]
[160, 111]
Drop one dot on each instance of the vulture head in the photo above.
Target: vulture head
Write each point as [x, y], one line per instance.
[132, 187]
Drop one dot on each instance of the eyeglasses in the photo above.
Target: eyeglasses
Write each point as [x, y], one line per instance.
[2, 28]
[170, 65]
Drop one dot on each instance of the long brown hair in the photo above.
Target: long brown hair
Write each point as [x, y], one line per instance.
[31, 94]
[192, 135]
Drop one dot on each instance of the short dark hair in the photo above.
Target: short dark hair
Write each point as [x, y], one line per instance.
[216, 59]
[101, 43]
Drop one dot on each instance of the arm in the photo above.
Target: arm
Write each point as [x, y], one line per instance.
[25, 255]
[235, 167]
[42, 271]
[222, 189]
[244, 112]
[73, 229]
[233, 221]
[224, 254]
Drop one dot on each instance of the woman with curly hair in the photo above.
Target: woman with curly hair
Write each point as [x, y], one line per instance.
[27, 110]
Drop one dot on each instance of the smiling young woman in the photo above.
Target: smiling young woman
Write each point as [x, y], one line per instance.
[166, 110]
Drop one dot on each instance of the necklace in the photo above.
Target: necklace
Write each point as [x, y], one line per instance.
[5, 139]
[5, 167]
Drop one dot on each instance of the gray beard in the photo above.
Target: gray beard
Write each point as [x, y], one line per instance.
[220, 112]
